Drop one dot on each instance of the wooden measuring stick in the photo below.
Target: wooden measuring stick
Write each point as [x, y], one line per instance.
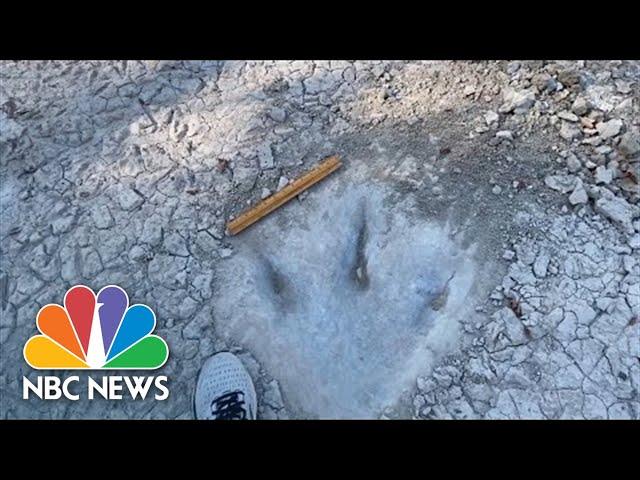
[293, 189]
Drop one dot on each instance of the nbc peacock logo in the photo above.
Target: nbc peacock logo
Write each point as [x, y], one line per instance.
[97, 332]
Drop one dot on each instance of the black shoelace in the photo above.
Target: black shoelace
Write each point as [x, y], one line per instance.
[229, 406]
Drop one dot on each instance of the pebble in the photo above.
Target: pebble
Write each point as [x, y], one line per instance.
[573, 163]
[561, 183]
[491, 117]
[505, 134]
[604, 149]
[578, 196]
[265, 193]
[283, 182]
[568, 116]
[629, 144]
[569, 131]
[603, 175]
[496, 190]
[136, 253]
[517, 101]
[469, 90]
[580, 106]
[509, 255]
[609, 129]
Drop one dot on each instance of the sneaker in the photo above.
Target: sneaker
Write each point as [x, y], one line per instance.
[224, 390]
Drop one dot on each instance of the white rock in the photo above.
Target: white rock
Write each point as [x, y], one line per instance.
[562, 183]
[578, 196]
[573, 164]
[609, 129]
[616, 209]
[265, 193]
[505, 134]
[634, 241]
[603, 175]
[517, 101]
[568, 116]
[629, 144]
[569, 131]
[590, 164]
[496, 190]
[508, 254]
[283, 182]
[136, 253]
[491, 117]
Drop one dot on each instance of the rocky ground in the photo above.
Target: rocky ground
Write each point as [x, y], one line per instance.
[126, 173]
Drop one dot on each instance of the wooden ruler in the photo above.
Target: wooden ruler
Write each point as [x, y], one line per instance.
[269, 204]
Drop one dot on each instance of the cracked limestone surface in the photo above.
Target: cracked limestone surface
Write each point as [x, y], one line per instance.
[127, 172]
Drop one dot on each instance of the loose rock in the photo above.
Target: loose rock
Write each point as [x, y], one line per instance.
[616, 209]
[505, 135]
[630, 144]
[580, 106]
[569, 131]
[609, 129]
[578, 196]
[561, 183]
[603, 175]
[573, 164]
[517, 101]
[283, 182]
[491, 117]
